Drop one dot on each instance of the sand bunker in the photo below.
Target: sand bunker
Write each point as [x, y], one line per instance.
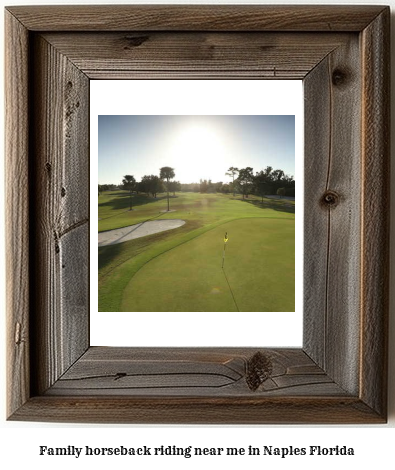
[119, 235]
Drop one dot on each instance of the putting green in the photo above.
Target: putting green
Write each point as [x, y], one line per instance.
[258, 274]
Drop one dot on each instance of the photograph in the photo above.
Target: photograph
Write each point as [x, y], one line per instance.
[196, 213]
[241, 155]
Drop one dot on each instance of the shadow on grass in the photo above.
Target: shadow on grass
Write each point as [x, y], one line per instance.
[270, 204]
[122, 201]
[107, 254]
[113, 256]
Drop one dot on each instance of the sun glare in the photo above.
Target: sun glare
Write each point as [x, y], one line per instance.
[198, 152]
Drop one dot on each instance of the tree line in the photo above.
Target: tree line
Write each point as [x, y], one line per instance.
[244, 181]
[262, 183]
[149, 184]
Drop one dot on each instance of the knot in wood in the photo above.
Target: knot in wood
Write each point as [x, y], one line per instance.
[120, 375]
[330, 199]
[259, 369]
[339, 77]
[135, 41]
[18, 334]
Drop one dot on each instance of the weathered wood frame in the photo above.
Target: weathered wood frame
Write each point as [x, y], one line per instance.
[342, 54]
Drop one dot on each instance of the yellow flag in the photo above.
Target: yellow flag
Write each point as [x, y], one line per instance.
[226, 237]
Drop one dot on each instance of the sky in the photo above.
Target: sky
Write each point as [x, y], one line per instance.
[197, 147]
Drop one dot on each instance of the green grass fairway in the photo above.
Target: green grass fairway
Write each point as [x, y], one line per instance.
[203, 208]
[180, 269]
[259, 266]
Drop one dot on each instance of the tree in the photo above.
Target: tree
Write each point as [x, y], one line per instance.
[218, 187]
[261, 184]
[129, 184]
[151, 184]
[225, 188]
[290, 191]
[268, 181]
[210, 187]
[232, 171]
[281, 192]
[166, 172]
[174, 186]
[278, 175]
[107, 187]
[289, 185]
[190, 187]
[203, 186]
[245, 180]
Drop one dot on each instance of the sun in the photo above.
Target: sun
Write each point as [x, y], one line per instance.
[198, 152]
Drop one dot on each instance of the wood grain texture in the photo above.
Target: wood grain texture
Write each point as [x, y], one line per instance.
[198, 410]
[339, 376]
[344, 253]
[376, 211]
[74, 293]
[195, 55]
[194, 372]
[60, 124]
[196, 17]
[317, 115]
[17, 213]
[332, 274]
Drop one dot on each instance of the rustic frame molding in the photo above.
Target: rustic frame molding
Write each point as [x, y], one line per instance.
[340, 374]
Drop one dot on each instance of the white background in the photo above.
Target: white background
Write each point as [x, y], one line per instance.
[19, 442]
[197, 97]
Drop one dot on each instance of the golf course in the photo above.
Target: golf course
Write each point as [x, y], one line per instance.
[217, 253]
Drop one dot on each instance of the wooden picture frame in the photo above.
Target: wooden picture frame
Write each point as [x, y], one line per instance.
[340, 374]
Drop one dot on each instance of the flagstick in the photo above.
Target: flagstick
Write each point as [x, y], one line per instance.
[223, 270]
[223, 256]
